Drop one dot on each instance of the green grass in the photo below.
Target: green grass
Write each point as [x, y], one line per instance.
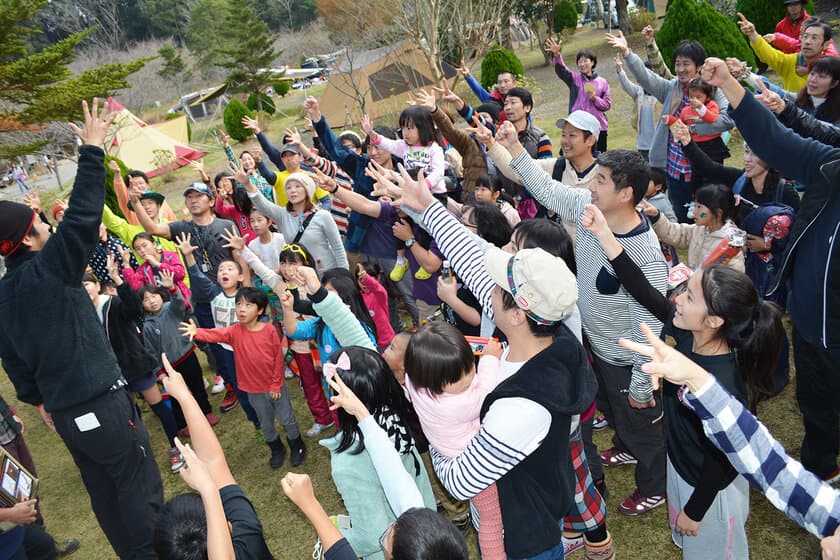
[65, 503]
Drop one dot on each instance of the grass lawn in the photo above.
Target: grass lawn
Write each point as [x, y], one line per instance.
[65, 503]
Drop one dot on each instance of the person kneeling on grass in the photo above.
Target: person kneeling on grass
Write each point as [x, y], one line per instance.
[219, 521]
[259, 357]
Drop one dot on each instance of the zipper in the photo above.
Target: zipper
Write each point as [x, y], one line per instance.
[825, 287]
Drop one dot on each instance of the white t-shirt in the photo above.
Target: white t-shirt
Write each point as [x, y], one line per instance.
[269, 253]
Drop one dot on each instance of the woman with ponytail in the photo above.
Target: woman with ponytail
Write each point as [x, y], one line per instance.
[722, 324]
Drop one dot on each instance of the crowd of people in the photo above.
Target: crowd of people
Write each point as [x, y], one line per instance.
[462, 306]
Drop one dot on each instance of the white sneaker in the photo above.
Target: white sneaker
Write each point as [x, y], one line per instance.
[218, 385]
[317, 429]
[289, 374]
[571, 545]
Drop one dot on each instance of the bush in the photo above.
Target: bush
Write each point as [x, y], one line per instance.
[496, 61]
[110, 195]
[282, 87]
[234, 112]
[765, 14]
[267, 103]
[640, 19]
[564, 17]
[698, 20]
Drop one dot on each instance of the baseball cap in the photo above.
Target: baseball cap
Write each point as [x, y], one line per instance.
[581, 120]
[289, 148]
[789, 2]
[200, 188]
[540, 283]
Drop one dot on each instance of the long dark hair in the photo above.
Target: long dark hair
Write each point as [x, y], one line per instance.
[751, 326]
[421, 118]
[829, 111]
[241, 200]
[373, 382]
[344, 284]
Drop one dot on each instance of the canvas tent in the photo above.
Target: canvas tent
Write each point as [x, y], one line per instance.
[150, 149]
[383, 77]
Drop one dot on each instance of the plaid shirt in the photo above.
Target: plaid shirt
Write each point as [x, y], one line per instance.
[677, 164]
[588, 510]
[754, 453]
[9, 428]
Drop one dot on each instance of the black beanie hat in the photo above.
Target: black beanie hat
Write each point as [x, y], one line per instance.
[491, 108]
[16, 220]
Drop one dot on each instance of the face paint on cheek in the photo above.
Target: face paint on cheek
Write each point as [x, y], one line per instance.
[703, 215]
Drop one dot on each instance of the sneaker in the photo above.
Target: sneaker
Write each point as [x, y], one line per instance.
[599, 422]
[398, 272]
[833, 477]
[613, 457]
[638, 503]
[218, 385]
[176, 460]
[289, 374]
[229, 402]
[422, 274]
[317, 429]
[212, 419]
[67, 547]
[571, 545]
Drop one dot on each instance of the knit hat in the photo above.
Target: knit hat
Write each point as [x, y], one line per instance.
[16, 221]
[59, 208]
[491, 108]
[540, 283]
[305, 180]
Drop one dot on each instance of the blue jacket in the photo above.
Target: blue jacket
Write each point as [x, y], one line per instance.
[812, 255]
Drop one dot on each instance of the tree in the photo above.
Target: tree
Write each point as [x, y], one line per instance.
[537, 13]
[250, 52]
[690, 19]
[38, 88]
[499, 60]
[206, 32]
[174, 69]
[765, 14]
[167, 18]
[565, 16]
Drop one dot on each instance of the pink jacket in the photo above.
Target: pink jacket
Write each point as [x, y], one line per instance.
[376, 300]
[242, 220]
[145, 275]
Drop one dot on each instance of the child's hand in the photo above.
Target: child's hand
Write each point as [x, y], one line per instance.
[287, 300]
[402, 230]
[493, 348]
[367, 126]
[195, 473]
[188, 329]
[173, 381]
[344, 398]
[446, 291]
[648, 208]
[198, 166]
[184, 241]
[234, 241]
[225, 138]
[113, 269]
[298, 488]
[251, 124]
[167, 279]
[695, 103]
[361, 274]
[125, 256]
[593, 220]
[275, 395]
[308, 278]
[681, 133]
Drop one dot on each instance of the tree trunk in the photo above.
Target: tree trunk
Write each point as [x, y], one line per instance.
[623, 18]
[504, 27]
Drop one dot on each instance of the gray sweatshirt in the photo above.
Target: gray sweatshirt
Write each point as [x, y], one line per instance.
[161, 334]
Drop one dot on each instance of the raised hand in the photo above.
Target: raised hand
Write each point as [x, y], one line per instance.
[287, 300]
[195, 472]
[251, 124]
[714, 71]
[367, 125]
[507, 136]
[113, 268]
[184, 242]
[33, 200]
[552, 46]
[447, 96]
[114, 166]
[308, 278]
[618, 42]
[239, 174]
[125, 256]
[312, 108]
[188, 329]
[294, 136]
[345, 398]
[482, 133]
[167, 279]
[298, 488]
[426, 99]
[649, 33]
[415, 194]
[225, 138]
[463, 70]
[747, 28]
[593, 220]
[234, 241]
[96, 124]
[738, 68]
[325, 181]
[648, 208]
[619, 64]
[771, 100]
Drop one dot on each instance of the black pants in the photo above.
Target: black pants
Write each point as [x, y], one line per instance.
[817, 387]
[637, 431]
[110, 446]
[190, 369]
[601, 144]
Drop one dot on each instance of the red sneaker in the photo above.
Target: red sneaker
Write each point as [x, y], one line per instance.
[229, 402]
[833, 477]
[638, 503]
[211, 418]
[614, 457]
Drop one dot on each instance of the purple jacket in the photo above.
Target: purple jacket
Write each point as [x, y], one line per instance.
[579, 98]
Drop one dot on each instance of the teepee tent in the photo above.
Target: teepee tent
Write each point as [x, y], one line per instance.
[147, 148]
[384, 77]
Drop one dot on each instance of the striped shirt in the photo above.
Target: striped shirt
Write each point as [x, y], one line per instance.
[754, 453]
[608, 311]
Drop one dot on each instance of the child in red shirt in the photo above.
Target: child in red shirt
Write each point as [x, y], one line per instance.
[702, 108]
[258, 355]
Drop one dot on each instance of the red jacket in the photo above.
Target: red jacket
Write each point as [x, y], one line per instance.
[787, 36]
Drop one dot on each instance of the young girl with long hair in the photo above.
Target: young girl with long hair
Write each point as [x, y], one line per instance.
[722, 324]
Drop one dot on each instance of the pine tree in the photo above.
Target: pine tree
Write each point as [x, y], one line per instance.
[37, 88]
[249, 50]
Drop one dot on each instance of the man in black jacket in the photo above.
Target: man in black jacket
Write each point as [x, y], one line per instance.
[57, 356]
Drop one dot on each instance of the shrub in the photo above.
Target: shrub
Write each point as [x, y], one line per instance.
[640, 19]
[698, 20]
[564, 17]
[267, 103]
[765, 14]
[282, 87]
[496, 61]
[234, 112]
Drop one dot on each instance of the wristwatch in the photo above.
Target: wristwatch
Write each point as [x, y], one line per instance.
[409, 242]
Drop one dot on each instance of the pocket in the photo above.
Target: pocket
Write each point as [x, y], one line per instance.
[607, 283]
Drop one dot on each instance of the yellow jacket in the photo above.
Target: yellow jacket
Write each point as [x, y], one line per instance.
[784, 64]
